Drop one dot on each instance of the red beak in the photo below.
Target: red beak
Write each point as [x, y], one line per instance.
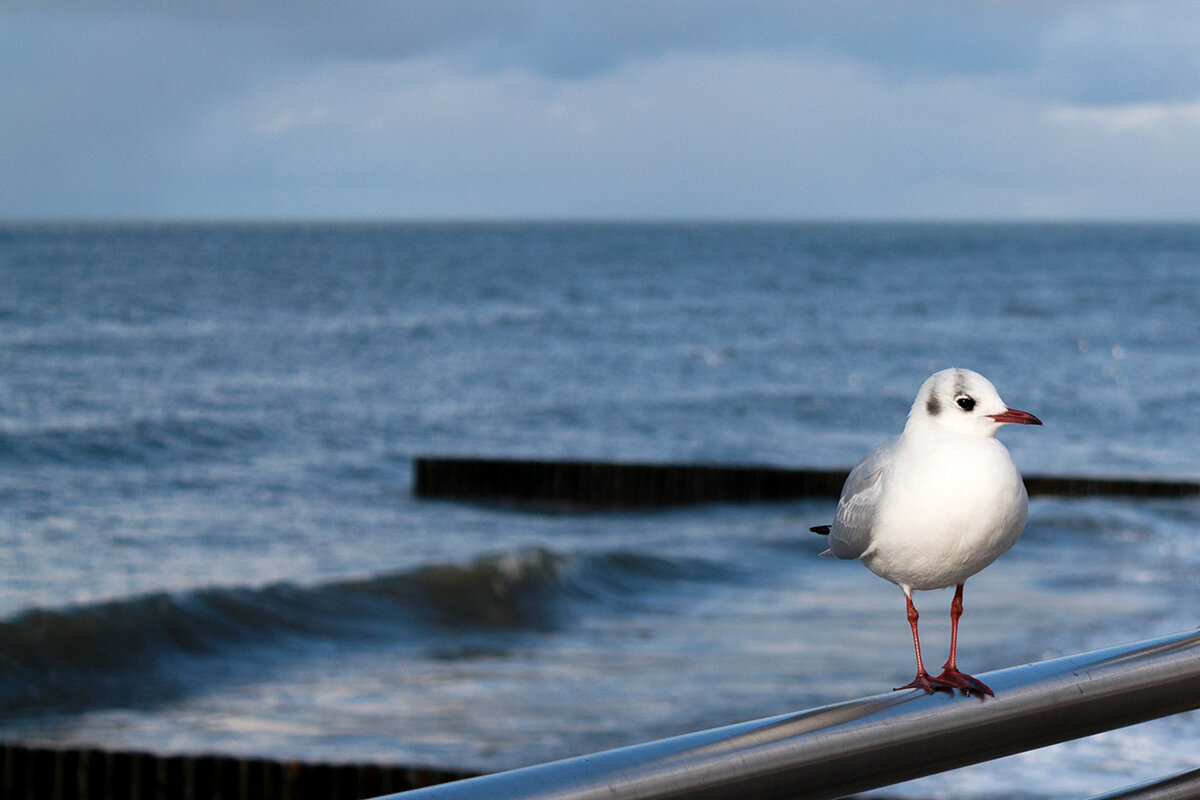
[1020, 417]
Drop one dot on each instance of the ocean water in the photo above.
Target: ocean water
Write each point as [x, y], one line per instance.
[208, 541]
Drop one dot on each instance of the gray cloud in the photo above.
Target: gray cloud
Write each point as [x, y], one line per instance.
[575, 38]
[620, 108]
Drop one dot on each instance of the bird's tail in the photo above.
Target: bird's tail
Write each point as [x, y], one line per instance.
[824, 531]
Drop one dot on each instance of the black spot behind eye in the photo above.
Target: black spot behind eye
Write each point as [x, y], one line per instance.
[965, 403]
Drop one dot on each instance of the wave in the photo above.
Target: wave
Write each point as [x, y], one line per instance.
[141, 441]
[102, 653]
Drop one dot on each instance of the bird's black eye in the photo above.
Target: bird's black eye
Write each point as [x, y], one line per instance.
[964, 402]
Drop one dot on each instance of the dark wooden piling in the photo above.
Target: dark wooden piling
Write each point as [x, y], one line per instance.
[39, 773]
[615, 485]
[1110, 487]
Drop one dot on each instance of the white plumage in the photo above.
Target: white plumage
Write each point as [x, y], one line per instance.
[935, 505]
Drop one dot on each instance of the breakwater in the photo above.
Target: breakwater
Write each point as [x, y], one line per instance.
[92, 774]
[589, 484]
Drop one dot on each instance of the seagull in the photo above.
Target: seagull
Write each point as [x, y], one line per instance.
[936, 504]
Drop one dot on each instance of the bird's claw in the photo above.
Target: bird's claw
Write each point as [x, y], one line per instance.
[960, 680]
[928, 684]
[948, 681]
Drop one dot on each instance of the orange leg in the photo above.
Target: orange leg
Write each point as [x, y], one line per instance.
[950, 675]
[923, 680]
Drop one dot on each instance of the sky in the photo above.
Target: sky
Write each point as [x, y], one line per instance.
[624, 109]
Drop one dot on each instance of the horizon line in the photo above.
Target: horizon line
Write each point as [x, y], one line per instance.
[483, 220]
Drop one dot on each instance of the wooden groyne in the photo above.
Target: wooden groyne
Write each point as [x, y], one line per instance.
[616, 485]
[34, 773]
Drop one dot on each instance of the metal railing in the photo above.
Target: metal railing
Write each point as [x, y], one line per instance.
[876, 741]
[1184, 786]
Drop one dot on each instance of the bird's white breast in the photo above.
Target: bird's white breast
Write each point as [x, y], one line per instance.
[949, 506]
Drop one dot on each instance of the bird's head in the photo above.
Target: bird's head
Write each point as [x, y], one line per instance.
[965, 402]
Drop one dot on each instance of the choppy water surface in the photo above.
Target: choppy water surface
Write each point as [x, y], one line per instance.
[209, 544]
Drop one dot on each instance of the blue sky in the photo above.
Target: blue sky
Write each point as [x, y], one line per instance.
[657, 109]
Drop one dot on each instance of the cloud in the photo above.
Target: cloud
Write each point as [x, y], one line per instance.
[1084, 50]
[1161, 119]
[579, 38]
[1121, 53]
[670, 108]
[764, 136]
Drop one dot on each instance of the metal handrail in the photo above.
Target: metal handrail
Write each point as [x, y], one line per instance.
[876, 741]
[1183, 786]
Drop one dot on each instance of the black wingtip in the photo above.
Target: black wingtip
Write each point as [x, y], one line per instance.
[821, 529]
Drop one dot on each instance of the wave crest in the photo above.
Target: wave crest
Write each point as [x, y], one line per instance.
[100, 652]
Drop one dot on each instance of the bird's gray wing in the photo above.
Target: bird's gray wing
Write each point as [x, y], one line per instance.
[851, 531]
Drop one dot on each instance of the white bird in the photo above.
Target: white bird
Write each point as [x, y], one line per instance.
[936, 504]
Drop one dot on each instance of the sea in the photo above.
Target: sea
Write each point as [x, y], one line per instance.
[209, 541]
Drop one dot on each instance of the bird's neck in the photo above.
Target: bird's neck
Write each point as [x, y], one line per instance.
[919, 427]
